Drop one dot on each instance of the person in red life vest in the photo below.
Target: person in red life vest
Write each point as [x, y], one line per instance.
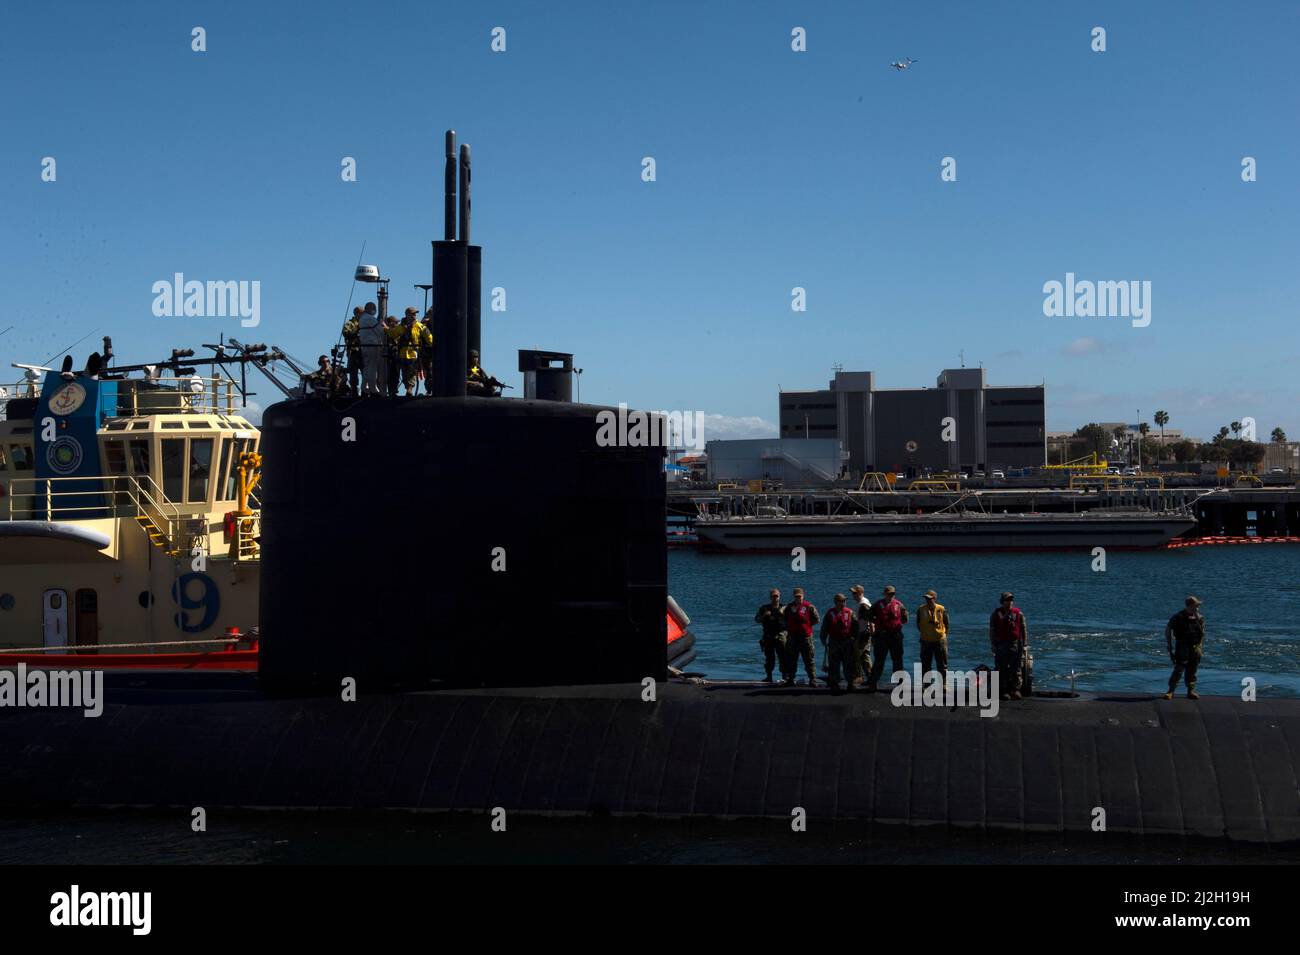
[838, 629]
[1008, 635]
[800, 618]
[887, 618]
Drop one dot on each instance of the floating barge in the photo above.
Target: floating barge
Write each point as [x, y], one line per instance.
[943, 532]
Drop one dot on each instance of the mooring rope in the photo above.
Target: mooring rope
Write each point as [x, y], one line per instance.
[115, 646]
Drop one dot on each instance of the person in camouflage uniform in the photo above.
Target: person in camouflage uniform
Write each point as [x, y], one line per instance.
[1184, 634]
[861, 608]
[772, 618]
[352, 342]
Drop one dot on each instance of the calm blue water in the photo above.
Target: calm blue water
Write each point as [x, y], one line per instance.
[1108, 627]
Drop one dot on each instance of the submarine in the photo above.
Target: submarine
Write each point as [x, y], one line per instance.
[470, 540]
[421, 650]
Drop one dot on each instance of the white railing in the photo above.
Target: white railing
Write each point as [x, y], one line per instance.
[193, 394]
[72, 498]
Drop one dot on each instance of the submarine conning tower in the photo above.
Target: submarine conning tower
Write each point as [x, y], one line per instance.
[459, 540]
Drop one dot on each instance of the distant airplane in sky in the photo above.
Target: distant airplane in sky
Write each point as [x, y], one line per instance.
[901, 65]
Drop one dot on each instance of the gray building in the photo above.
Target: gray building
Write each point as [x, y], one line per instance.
[962, 423]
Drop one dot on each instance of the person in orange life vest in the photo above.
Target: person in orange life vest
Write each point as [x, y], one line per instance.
[887, 618]
[800, 618]
[771, 616]
[838, 627]
[861, 608]
[1008, 635]
[932, 621]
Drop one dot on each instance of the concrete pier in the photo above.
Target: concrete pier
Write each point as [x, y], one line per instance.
[1219, 768]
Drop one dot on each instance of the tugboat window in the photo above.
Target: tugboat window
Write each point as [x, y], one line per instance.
[22, 457]
[3, 460]
[140, 457]
[200, 468]
[173, 469]
[115, 456]
[227, 484]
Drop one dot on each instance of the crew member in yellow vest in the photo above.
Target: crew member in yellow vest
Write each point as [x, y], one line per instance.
[932, 621]
[410, 343]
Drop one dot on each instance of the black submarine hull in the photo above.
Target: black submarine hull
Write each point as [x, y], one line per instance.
[1220, 768]
[462, 541]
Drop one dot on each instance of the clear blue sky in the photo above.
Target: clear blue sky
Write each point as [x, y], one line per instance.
[775, 169]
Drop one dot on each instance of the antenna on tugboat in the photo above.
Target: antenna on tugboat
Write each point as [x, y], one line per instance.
[70, 347]
[352, 290]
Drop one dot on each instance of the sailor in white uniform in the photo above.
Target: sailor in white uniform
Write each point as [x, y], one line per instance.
[370, 335]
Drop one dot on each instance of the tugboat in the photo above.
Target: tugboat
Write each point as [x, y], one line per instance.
[128, 513]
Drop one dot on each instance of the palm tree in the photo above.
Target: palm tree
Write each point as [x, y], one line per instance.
[1223, 433]
[1279, 436]
[1236, 428]
[1161, 419]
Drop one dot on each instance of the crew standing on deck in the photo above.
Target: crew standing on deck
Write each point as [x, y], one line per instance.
[371, 336]
[887, 618]
[932, 621]
[838, 629]
[800, 618]
[771, 616]
[1184, 634]
[1008, 634]
[861, 635]
[410, 342]
[393, 368]
[352, 347]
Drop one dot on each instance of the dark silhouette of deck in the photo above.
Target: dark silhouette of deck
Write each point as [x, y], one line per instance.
[1220, 768]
